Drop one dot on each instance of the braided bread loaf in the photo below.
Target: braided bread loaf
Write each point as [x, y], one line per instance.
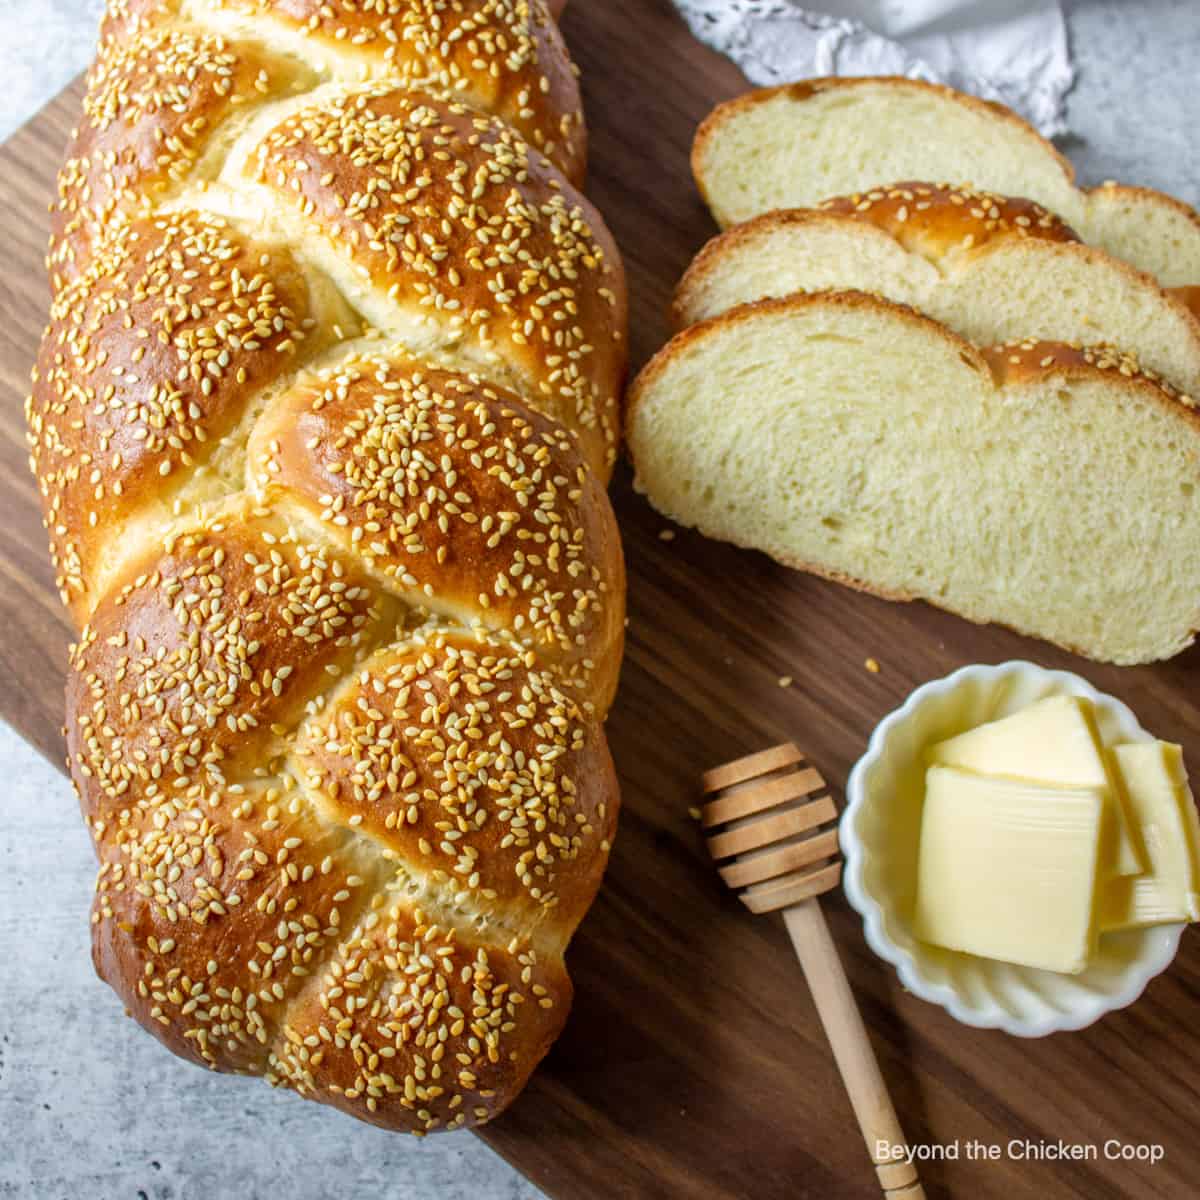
[322, 423]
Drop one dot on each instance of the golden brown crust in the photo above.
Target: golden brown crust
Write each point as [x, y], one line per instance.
[151, 356]
[478, 770]
[938, 219]
[212, 913]
[125, 19]
[807, 88]
[415, 1025]
[268, 536]
[250, 935]
[448, 798]
[453, 220]
[1189, 297]
[154, 101]
[204, 657]
[457, 497]
[505, 57]
[1031, 360]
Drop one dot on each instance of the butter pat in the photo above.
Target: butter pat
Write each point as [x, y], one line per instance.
[1054, 742]
[1008, 869]
[1154, 781]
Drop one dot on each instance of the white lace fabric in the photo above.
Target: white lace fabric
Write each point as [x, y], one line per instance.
[1014, 51]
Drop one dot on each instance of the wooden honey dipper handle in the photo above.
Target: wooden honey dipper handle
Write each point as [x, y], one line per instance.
[767, 824]
[851, 1047]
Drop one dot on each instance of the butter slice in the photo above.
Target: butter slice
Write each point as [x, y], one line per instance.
[1155, 783]
[1008, 869]
[1053, 741]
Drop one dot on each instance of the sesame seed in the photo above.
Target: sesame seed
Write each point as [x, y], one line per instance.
[331, 798]
[530, 256]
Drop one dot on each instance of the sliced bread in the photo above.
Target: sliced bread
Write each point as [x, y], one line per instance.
[1045, 487]
[992, 268]
[794, 146]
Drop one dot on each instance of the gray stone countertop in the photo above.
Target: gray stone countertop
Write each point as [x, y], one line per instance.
[93, 1109]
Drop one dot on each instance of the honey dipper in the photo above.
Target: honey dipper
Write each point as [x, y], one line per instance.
[771, 827]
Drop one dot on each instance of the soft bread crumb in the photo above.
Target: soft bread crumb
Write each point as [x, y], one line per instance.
[1014, 286]
[845, 435]
[793, 147]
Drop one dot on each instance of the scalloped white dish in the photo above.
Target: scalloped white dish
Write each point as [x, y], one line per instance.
[880, 832]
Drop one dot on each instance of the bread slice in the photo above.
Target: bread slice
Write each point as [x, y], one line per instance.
[794, 146]
[992, 268]
[1046, 487]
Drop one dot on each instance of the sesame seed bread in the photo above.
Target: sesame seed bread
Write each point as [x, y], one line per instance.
[992, 268]
[794, 146]
[1045, 487]
[322, 423]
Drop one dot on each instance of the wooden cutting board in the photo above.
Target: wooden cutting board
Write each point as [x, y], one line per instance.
[693, 1065]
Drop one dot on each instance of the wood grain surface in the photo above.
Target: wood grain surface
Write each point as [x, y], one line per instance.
[694, 1065]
